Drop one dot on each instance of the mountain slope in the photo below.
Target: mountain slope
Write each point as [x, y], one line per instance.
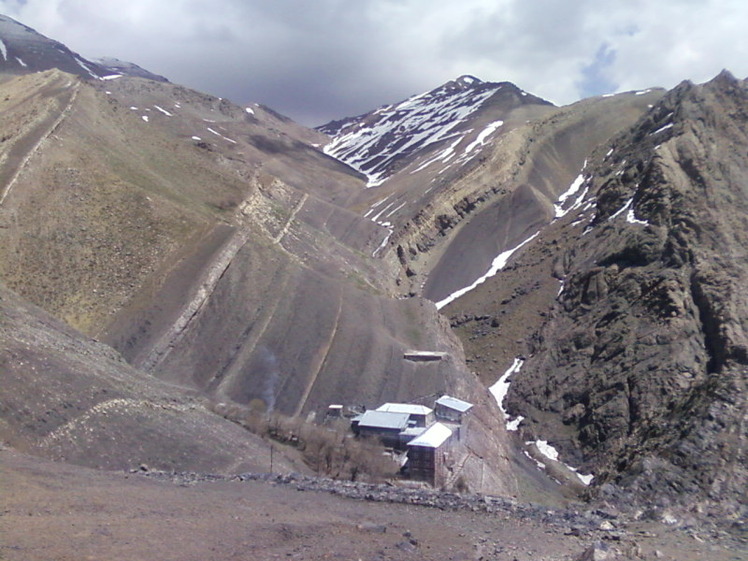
[653, 305]
[635, 364]
[23, 50]
[213, 247]
[66, 397]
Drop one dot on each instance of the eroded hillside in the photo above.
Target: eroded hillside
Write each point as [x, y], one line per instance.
[213, 246]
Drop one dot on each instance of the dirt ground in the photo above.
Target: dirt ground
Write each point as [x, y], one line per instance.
[51, 511]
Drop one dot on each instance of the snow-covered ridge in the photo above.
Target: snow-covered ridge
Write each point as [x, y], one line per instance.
[373, 144]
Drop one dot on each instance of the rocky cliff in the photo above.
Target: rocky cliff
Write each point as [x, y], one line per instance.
[640, 369]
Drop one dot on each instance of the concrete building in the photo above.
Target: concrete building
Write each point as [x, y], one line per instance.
[385, 425]
[427, 454]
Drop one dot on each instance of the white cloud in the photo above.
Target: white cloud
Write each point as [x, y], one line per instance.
[330, 58]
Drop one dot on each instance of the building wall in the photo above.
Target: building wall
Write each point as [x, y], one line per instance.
[427, 464]
[389, 437]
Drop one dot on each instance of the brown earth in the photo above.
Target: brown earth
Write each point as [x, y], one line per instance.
[57, 511]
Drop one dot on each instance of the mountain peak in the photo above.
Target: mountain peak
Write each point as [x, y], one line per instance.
[468, 80]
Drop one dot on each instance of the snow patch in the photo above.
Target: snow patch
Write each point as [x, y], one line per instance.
[219, 134]
[513, 425]
[390, 213]
[501, 388]
[111, 77]
[546, 449]
[498, 263]
[384, 242]
[570, 192]
[21, 62]
[621, 210]
[196, 138]
[145, 118]
[540, 465]
[164, 111]
[666, 127]
[552, 454]
[632, 219]
[3, 50]
[249, 110]
[586, 479]
[485, 133]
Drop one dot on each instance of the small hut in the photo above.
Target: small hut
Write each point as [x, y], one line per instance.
[451, 409]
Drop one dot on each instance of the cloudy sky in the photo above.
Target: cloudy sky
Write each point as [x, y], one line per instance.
[315, 60]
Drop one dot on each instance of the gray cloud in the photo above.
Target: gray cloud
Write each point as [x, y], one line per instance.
[327, 59]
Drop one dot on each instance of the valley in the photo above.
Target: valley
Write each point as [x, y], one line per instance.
[174, 265]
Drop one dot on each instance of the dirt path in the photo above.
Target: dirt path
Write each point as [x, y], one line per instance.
[15, 153]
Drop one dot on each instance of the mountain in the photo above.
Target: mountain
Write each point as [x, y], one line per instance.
[380, 143]
[23, 50]
[642, 362]
[213, 247]
[543, 254]
[577, 269]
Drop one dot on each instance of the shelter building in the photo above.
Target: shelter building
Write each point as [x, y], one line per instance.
[427, 454]
[386, 425]
[451, 409]
[418, 415]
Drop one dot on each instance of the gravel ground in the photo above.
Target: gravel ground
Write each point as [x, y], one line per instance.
[62, 512]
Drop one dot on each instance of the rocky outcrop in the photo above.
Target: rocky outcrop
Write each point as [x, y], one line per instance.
[642, 363]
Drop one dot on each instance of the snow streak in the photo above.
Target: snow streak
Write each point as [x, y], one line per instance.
[552, 454]
[405, 128]
[498, 263]
[501, 388]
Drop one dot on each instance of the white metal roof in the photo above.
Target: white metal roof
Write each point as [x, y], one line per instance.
[384, 420]
[412, 431]
[454, 403]
[433, 437]
[408, 408]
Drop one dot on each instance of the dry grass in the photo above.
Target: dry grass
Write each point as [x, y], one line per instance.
[330, 450]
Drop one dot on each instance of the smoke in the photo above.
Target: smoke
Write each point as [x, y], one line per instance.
[270, 373]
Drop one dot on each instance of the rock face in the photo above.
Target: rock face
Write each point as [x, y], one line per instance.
[641, 365]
